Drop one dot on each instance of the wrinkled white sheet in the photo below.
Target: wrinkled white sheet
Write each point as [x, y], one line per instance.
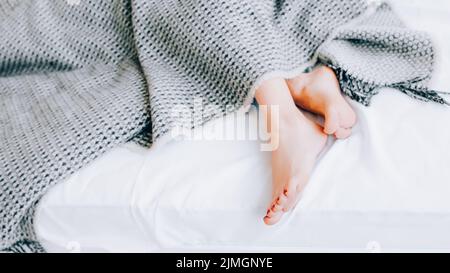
[387, 188]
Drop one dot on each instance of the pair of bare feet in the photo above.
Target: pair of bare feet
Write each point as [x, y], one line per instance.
[300, 139]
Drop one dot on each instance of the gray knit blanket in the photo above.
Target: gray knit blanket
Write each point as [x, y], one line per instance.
[79, 77]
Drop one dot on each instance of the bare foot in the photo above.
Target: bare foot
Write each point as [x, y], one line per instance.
[300, 143]
[319, 92]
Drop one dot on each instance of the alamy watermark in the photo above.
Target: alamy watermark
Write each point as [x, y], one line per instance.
[200, 121]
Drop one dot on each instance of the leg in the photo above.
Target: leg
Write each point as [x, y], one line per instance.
[300, 142]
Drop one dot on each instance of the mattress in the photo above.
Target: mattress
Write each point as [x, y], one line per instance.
[386, 188]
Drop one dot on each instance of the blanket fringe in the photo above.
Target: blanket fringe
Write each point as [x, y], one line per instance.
[363, 91]
[413, 89]
[24, 246]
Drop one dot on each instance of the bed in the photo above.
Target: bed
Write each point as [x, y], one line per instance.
[387, 188]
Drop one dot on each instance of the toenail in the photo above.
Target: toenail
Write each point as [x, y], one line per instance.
[286, 193]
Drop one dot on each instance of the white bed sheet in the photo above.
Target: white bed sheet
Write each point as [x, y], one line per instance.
[387, 188]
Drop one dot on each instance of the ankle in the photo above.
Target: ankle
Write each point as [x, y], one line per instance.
[275, 94]
[298, 84]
